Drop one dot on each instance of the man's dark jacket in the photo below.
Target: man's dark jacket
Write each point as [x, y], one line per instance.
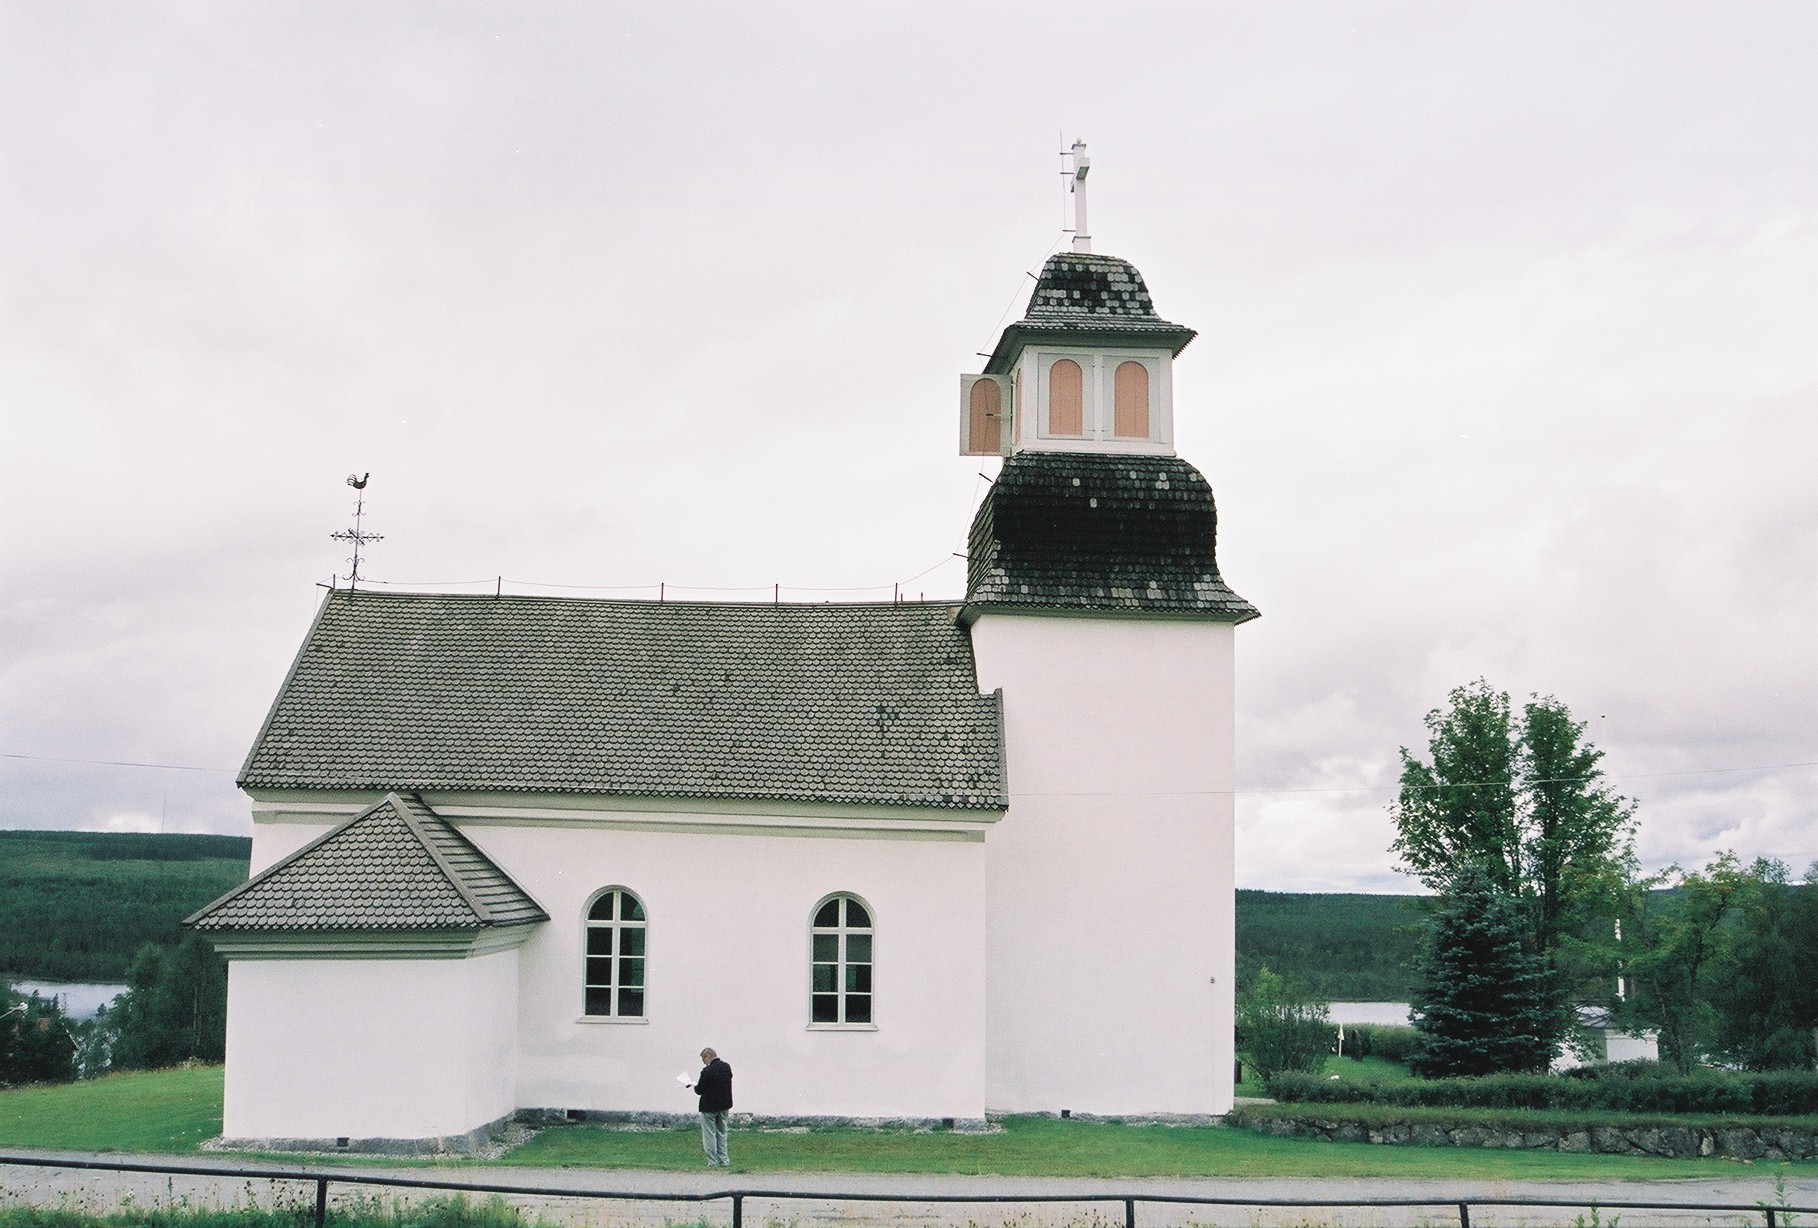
[714, 1087]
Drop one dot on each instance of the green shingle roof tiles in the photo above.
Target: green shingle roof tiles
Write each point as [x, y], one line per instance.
[397, 865]
[850, 704]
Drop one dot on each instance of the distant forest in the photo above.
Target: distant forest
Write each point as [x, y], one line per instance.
[76, 906]
[1347, 948]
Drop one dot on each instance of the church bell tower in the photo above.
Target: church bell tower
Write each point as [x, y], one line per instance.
[1095, 601]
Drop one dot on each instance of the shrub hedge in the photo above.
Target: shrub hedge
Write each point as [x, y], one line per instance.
[1630, 1088]
[1391, 1044]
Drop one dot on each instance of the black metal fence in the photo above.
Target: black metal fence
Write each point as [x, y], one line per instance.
[1773, 1215]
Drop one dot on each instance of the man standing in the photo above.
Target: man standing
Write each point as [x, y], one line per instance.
[714, 1086]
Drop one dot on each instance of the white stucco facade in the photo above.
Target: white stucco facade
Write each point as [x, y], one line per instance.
[322, 1049]
[729, 895]
[728, 966]
[1111, 918]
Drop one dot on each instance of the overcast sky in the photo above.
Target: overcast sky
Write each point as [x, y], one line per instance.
[1507, 361]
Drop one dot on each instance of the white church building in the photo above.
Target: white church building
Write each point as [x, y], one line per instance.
[921, 860]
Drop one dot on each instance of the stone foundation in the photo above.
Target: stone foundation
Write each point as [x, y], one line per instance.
[1731, 1140]
[476, 1142]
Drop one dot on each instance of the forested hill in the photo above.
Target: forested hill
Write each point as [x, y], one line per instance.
[76, 906]
[1348, 948]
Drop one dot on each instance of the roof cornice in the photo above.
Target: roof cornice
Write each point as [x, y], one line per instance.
[1021, 335]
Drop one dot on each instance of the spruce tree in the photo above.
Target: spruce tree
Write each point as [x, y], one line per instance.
[1520, 799]
[1483, 1004]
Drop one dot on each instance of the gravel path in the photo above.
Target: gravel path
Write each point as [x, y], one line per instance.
[1099, 1201]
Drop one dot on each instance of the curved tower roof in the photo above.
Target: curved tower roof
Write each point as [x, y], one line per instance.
[1081, 298]
[1082, 531]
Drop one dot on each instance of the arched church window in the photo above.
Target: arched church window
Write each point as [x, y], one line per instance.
[1130, 392]
[615, 955]
[1066, 399]
[986, 419]
[841, 971]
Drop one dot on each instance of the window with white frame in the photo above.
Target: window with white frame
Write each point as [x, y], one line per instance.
[614, 980]
[841, 969]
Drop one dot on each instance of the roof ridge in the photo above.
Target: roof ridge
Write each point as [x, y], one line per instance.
[884, 603]
[454, 877]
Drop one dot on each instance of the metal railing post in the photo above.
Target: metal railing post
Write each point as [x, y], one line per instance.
[321, 1201]
[1129, 1213]
[1464, 1215]
[738, 1211]
[1770, 1216]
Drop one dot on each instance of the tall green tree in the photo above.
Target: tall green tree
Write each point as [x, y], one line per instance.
[1765, 988]
[1483, 1004]
[174, 1009]
[1459, 811]
[1575, 835]
[36, 1043]
[1678, 942]
[1724, 962]
[1518, 801]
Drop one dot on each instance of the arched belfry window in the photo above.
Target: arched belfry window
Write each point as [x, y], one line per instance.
[616, 927]
[1130, 391]
[1066, 398]
[841, 970]
[986, 420]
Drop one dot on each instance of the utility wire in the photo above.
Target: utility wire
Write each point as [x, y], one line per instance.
[173, 767]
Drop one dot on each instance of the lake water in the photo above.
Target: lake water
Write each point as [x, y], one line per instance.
[80, 999]
[1392, 1013]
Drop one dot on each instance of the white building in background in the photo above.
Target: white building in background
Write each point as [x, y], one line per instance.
[917, 860]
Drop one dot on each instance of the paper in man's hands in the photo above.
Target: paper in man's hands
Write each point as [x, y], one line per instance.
[684, 1080]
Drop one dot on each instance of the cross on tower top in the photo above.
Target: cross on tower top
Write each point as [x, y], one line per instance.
[1082, 236]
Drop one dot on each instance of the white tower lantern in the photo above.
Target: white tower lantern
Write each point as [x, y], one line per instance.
[1089, 367]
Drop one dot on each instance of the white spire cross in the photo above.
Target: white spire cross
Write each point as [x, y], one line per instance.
[1082, 237]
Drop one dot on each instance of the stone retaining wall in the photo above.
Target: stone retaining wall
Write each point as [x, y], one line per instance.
[1734, 1141]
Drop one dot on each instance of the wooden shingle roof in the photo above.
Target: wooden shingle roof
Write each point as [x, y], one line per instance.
[855, 704]
[1079, 531]
[1082, 298]
[397, 865]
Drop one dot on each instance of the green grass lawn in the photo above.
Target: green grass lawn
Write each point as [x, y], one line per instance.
[1039, 1146]
[151, 1110]
[1367, 1069]
[1353, 1070]
[176, 1110]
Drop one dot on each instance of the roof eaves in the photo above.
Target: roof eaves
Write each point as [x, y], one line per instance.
[271, 713]
[1038, 608]
[1026, 332]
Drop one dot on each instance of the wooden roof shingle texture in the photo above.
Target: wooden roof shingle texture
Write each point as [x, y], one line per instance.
[397, 865]
[1083, 296]
[872, 705]
[1089, 531]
